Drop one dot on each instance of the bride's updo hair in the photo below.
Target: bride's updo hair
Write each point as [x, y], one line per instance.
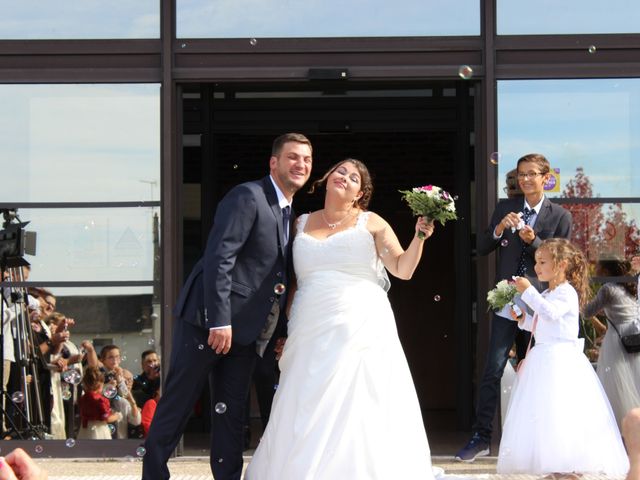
[366, 185]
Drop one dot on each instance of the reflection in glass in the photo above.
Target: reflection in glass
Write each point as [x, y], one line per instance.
[85, 244]
[605, 230]
[584, 128]
[587, 130]
[516, 17]
[611, 315]
[131, 321]
[89, 19]
[71, 143]
[253, 19]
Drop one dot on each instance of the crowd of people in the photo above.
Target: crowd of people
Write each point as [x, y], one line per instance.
[310, 291]
[60, 390]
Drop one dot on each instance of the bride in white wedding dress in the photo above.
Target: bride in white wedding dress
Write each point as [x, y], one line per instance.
[346, 407]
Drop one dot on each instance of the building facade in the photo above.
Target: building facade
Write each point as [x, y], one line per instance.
[122, 125]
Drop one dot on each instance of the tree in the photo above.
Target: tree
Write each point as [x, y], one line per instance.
[587, 217]
[596, 233]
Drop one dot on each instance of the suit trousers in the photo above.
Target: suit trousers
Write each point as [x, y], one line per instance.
[192, 362]
[503, 334]
[265, 377]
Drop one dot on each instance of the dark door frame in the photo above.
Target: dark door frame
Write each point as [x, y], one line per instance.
[463, 125]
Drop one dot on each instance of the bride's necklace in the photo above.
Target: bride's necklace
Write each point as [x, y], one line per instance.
[333, 226]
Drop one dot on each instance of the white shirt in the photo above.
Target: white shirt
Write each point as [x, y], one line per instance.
[532, 218]
[282, 200]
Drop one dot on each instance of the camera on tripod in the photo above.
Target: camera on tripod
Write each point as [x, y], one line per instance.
[15, 241]
[26, 418]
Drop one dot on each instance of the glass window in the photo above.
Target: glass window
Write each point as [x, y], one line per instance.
[325, 18]
[88, 19]
[93, 244]
[68, 143]
[587, 130]
[114, 316]
[92, 146]
[519, 17]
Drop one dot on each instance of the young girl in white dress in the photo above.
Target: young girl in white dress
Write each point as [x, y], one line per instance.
[559, 419]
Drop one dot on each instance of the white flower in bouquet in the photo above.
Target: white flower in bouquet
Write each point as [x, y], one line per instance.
[503, 294]
[431, 202]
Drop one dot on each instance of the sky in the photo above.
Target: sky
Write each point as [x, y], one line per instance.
[589, 123]
[84, 143]
[100, 19]
[592, 124]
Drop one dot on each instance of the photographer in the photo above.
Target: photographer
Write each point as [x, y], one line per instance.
[148, 382]
[66, 355]
[126, 404]
[115, 376]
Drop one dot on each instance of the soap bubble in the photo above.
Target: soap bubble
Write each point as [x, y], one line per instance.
[109, 391]
[465, 72]
[17, 397]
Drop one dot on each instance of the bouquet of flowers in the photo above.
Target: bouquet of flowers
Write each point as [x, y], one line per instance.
[503, 294]
[431, 202]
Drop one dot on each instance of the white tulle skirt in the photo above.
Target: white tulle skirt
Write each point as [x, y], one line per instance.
[346, 406]
[559, 418]
[619, 373]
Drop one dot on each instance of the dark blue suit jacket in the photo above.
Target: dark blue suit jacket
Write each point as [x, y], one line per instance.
[245, 257]
[553, 221]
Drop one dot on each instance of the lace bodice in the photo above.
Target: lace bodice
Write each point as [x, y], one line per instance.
[351, 251]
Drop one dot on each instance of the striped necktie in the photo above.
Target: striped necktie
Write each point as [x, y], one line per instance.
[522, 268]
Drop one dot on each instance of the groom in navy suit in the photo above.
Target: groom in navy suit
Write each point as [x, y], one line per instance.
[229, 308]
[518, 226]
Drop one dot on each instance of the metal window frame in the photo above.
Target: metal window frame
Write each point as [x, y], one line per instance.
[174, 63]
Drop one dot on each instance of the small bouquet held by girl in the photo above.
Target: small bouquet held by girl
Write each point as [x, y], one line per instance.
[504, 294]
[431, 202]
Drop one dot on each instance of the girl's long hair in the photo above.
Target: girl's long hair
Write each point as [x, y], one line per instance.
[577, 271]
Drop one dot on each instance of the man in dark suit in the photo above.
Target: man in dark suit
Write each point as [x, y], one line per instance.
[228, 310]
[518, 226]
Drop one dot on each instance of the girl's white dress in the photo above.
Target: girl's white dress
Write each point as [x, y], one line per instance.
[559, 418]
[346, 406]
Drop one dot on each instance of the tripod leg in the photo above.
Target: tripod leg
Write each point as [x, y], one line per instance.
[13, 431]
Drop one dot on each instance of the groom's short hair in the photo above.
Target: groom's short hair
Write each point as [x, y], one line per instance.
[279, 142]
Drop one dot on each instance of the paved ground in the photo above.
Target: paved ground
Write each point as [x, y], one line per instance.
[197, 468]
